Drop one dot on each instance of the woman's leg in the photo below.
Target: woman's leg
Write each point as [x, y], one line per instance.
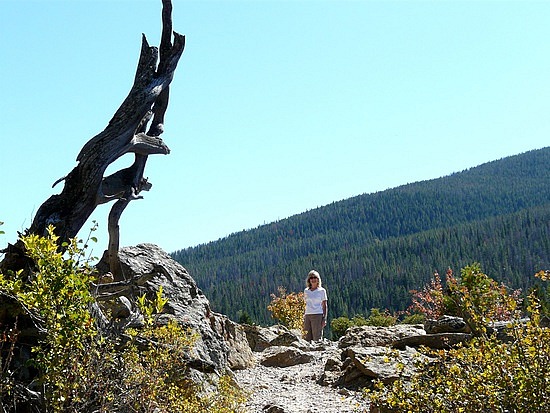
[308, 328]
[316, 326]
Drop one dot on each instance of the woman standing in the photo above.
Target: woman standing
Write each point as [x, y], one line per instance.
[315, 318]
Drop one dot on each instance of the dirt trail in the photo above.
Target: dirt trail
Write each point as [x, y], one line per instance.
[295, 390]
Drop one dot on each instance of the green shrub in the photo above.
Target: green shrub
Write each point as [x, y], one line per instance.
[484, 375]
[288, 308]
[339, 326]
[380, 319]
[414, 318]
[79, 370]
[480, 300]
[244, 318]
[376, 318]
[474, 296]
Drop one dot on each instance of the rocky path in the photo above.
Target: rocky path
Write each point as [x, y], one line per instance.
[294, 389]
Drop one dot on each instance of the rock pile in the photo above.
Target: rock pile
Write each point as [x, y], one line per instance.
[222, 344]
[370, 353]
[280, 371]
[286, 379]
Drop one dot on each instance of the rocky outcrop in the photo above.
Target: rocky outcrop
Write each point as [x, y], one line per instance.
[366, 355]
[221, 343]
[259, 338]
[149, 268]
[371, 353]
[371, 336]
[280, 356]
[435, 341]
[446, 324]
[239, 354]
[363, 355]
[382, 363]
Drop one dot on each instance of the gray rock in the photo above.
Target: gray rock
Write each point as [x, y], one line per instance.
[383, 363]
[259, 338]
[435, 341]
[503, 329]
[370, 336]
[280, 356]
[240, 354]
[118, 308]
[146, 267]
[446, 324]
[273, 408]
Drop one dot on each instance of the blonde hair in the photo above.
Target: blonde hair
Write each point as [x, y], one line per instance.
[312, 274]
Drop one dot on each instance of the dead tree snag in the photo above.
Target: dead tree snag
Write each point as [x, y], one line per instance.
[135, 128]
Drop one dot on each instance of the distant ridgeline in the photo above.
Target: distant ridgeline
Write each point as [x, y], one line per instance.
[372, 249]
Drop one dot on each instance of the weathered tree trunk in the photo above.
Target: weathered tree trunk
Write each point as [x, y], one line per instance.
[85, 186]
[135, 128]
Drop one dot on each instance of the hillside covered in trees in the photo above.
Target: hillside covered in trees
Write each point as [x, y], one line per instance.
[372, 249]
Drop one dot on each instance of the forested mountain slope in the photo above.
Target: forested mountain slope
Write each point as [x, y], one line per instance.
[373, 248]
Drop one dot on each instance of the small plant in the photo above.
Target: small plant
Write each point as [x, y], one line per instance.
[473, 296]
[78, 369]
[483, 375]
[339, 327]
[376, 318]
[244, 318]
[288, 309]
[430, 301]
[8, 342]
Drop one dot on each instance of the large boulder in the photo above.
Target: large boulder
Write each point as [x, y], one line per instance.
[259, 338]
[383, 363]
[282, 356]
[221, 343]
[371, 353]
[149, 268]
[434, 341]
[359, 366]
[240, 354]
[446, 324]
[371, 336]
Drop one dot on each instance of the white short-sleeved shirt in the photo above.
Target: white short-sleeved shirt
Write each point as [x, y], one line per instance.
[314, 300]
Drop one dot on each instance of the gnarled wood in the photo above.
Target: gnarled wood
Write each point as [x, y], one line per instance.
[85, 187]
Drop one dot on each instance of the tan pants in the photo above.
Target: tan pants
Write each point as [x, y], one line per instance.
[313, 327]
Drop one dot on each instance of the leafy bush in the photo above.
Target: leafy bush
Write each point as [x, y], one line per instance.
[480, 300]
[376, 318]
[430, 301]
[473, 296]
[414, 319]
[244, 318]
[339, 326]
[288, 309]
[78, 369]
[484, 375]
[56, 297]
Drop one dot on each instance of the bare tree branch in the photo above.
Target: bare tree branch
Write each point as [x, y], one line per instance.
[86, 187]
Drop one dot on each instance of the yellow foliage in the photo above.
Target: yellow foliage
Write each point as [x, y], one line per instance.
[288, 309]
[79, 370]
[484, 375]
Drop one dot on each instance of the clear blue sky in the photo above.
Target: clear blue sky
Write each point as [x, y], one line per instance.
[277, 107]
